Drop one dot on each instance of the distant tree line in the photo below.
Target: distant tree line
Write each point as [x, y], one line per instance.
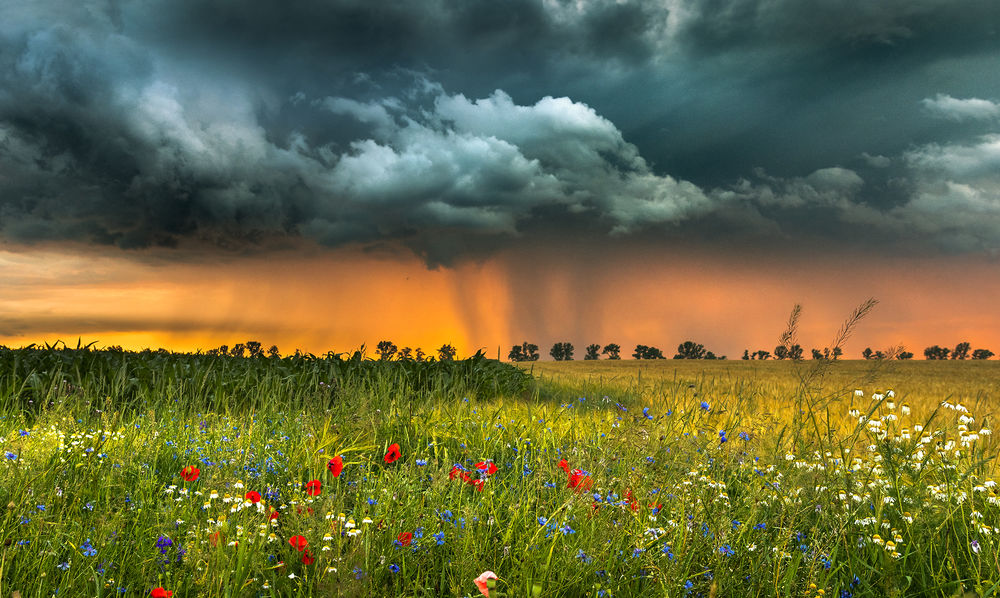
[961, 351]
[563, 351]
[385, 351]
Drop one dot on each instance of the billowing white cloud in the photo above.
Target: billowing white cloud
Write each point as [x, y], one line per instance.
[977, 159]
[945, 106]
[486, 163]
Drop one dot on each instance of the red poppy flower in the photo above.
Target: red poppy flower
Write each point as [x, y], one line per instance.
[307, 558]
[214, 538]
[252, 496]
[273, 515]
[160, 593]
[563, 465]
[632, 502]
[488, 466]
[479, 484]
[579, 480]
[190, 473]
[314, 487]
[298, 543]
[404, 538]
[455, 471]
[336, 465]
[393, 454]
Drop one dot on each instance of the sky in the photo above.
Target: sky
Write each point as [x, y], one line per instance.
[325, 174]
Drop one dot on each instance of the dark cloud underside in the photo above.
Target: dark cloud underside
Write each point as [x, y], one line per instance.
[456, 128]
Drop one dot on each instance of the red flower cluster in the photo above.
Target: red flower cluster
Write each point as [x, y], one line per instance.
[393, 454]
[190, 473]
[578, 478]
[298, 542]
[487, 468]
[160, 593]
[252, 496]
[404, 539]
[336, 465]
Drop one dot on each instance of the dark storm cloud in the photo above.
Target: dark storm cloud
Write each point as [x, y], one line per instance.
[453, 128]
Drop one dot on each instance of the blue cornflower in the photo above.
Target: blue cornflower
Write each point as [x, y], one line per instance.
[87, 548]
[25, 433]
[162, 543]
[760, 525]
[726, 550]
[40, 507]
[722, 436]
[566, 529]
[394, 568]
[10, 456]
[542, 521]
[420, 463]
[89, 506]
[63, 565]
[645, 412]
[580, 554]
[705, 405]
[439, 537]
[744, 436]
[358, 573]
[372, 501]
[668, 551]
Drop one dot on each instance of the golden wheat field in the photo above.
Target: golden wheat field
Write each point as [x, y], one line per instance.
[768, 391]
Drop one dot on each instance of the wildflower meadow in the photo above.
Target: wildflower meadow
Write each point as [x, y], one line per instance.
[161, 474]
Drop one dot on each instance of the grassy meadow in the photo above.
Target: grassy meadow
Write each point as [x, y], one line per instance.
[155, 474]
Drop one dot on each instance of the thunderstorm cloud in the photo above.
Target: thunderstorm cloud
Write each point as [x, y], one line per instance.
[454, 128]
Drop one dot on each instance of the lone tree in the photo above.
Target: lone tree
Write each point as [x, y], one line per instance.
[385, 350]
[904, 355]
[868, 353]
[612, 350]
[690, 350]
[524, 352]
[817, 354]
[405, 354]
[592, 352]
[746, 355]
[761, 355]
[644, 352]
[446, 353]
[562, 351]
[961, 351]
[781, 352]
[936, 352]
[982, 354]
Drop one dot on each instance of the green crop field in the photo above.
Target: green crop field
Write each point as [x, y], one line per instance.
[155, 474]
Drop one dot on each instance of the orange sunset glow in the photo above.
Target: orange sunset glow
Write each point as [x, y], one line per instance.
[341, 300]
